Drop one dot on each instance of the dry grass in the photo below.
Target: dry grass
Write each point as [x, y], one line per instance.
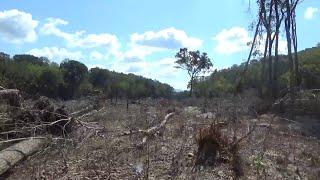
[271, 151]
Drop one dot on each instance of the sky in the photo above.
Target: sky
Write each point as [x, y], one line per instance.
[140, 36]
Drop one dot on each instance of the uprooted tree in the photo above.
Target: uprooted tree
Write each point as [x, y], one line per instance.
[194, 62]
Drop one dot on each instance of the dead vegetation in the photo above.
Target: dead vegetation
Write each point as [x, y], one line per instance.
[107, 142]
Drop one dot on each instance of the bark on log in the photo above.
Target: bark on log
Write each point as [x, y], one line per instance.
[14, 154]
[7, 92]
[12, 96]
[158, 128]
[153, 130]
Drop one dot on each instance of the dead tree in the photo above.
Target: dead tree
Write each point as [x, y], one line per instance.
[253, 45]
[153, 130]
[290, 7]
[16, 153]
[271, 14]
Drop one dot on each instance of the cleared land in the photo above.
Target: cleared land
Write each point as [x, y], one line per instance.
[106, 147]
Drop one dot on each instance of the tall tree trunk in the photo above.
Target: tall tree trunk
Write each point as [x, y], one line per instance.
[275, 87]
[270, 79]
[289, 44]
[269, 34]
[262, 82]
[191, 86]
[239, 82]
[295, 47]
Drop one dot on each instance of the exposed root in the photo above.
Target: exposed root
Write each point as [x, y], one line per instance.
[213, 146]
[210, 143]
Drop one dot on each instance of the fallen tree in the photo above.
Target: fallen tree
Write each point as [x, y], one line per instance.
[151, 131]
[42, 119]
[14, 154]
[12, 96]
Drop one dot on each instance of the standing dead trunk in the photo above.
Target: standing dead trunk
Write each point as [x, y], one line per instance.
[270, 79]
[295, 48]
[270, 44]
[291, 68]
[262, 76]
[275, 86]
[239, 80]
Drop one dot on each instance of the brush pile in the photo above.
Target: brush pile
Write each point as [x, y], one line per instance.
[35, 124]
[37, 118]
[214, 146]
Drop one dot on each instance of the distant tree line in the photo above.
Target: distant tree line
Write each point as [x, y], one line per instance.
[221, 82]
[71, 79]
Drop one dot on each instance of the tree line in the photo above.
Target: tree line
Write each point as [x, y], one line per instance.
[71, 79]
[221, 82]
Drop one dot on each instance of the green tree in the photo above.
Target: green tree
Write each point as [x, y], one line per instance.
[73, 73]
[30, 59]
[49, 82]
[193, 62]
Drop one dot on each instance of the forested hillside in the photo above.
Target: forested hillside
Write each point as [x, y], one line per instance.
[39, 76]
[222, 82]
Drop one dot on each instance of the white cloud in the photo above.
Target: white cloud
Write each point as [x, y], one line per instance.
[169, 38]
[310, 12]
[138, 68]
[81, 38]
[166, 68]
[17, 26]
[282, 46]
[139, 51]
[149, 42]
[56, 54]
[232, 40]
[159, 69]
[96, 55]
[235, 40]
[167, 62]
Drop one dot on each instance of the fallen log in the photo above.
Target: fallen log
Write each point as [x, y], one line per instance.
[156, 129]
[8, 92]
[151, 131]
[160, 127]
[82, 111]
[12, 96]
[14, 154]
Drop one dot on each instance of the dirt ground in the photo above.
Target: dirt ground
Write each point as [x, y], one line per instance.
[276, 149]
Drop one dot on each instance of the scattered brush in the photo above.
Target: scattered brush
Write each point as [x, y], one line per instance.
[214, 146]
[210, 143]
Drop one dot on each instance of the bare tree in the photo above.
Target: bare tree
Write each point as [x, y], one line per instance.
[279, 15]
[290, 28]
[271, 14]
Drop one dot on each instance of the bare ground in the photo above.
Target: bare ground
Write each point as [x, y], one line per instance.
[277, 148]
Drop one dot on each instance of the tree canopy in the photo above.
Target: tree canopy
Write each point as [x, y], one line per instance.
[71, 79]
[193, 62]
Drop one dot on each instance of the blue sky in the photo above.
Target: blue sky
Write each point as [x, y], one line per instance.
[139, 36]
